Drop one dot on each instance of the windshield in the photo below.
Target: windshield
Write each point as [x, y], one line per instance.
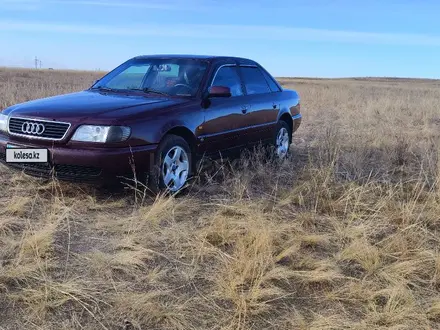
[178, 77]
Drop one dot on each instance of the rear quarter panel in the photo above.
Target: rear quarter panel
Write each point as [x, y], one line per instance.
[290, 103]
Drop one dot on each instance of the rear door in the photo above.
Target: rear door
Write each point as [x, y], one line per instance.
[224, 117]
[263, 106]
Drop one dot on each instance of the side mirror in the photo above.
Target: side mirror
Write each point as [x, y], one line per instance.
[219, 91]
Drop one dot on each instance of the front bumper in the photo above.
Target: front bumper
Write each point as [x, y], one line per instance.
[296, 122]
[84, 164]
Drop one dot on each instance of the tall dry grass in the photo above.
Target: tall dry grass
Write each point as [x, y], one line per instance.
[344, 235]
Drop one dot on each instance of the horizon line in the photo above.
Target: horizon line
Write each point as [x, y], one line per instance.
[29, 68]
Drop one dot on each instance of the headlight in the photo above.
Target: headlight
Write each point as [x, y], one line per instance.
[101, 134]
[3, 123]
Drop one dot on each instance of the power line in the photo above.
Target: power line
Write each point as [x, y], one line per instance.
[38, 63]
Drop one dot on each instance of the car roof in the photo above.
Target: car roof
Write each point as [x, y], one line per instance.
[211, 58]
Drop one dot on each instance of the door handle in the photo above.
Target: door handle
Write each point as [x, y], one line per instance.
[244, 108]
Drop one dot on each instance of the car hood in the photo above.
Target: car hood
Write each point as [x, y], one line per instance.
[90, 105]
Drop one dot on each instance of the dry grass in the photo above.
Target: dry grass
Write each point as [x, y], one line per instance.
[345, 235]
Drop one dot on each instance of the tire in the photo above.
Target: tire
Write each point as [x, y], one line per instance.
[173, 165]
[282, 140]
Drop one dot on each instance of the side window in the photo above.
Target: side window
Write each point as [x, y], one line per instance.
[228, 76]
[254, 80]
[273, 86]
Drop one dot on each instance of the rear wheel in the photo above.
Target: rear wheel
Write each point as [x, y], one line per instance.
[173, 165]
[282, 140]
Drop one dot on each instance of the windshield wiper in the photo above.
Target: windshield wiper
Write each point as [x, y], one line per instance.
[150, 90]
[106, 89]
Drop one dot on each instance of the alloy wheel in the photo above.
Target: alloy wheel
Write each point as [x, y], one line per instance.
[175, 168]
[282, 143]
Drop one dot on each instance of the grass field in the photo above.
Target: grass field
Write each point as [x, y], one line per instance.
[344, 235]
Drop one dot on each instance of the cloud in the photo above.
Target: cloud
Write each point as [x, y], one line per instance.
[163, 5]
[19, 5]
[191, 5]
[245, 32]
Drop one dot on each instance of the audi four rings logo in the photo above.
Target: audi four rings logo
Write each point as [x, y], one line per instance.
[32, 128]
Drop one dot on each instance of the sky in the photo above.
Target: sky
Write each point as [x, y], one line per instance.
[302, 38]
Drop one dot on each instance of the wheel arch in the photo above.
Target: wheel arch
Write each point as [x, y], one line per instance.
[287, 118]
[185, 133]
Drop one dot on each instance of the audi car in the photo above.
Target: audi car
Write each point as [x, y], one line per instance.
[153, 115]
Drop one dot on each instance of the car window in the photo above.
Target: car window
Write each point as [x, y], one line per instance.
[180, 77]
[254, 80]
[168, 76]
[273, 86]
[130, 78]
[228, 76]
[172, 70]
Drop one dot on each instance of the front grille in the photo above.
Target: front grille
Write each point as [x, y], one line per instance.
[52, 130]
[61, 171]
[77, 170]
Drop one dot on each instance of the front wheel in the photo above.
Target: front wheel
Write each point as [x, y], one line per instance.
[173, 165]
[282, 140]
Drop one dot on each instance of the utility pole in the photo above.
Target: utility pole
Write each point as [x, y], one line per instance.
[36, 62]
[40, 64]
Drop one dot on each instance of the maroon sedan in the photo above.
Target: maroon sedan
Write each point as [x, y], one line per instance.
[152, 115]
